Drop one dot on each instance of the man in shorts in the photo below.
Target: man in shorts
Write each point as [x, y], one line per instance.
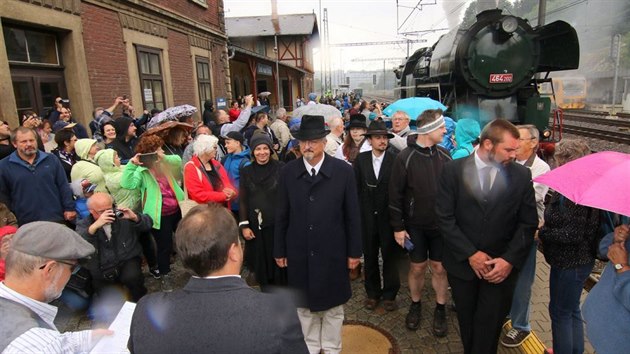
[412, 196]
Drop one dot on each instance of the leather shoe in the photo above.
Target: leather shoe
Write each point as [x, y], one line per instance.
[390, 305]
[371, 304]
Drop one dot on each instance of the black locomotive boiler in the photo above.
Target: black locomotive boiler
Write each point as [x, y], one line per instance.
[488, 71]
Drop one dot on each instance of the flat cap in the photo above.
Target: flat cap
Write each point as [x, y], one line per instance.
[50, 240]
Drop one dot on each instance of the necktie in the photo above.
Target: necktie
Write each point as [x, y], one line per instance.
[313, 172]
[485, 179]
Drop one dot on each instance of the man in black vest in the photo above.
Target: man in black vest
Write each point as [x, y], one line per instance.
[372, 170]
[42, 257]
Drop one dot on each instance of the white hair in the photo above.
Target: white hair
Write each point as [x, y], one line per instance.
[204, 143]
[335, 122]
[281, 112]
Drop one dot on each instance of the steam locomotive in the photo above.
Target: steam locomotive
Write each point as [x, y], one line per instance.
[487, 71]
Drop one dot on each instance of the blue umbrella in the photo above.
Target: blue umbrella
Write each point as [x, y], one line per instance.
[413, 106]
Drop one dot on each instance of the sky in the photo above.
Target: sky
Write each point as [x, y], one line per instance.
[352, 21]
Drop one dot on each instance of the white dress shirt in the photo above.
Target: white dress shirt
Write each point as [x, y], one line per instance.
[316, 167]
[480, 166]
[376, 163]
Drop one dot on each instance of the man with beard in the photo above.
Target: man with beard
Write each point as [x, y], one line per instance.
[373, 170]
[33, 184]
[318, 235]
[487, 215]
[5, 136]
[40, 261]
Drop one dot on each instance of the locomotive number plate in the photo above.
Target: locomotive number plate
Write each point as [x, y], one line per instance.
[501, 78]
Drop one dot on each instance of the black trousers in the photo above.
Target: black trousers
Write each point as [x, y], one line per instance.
[375, 239]
[481, 310]
[164, 240]
[148, 248]
[129, 276]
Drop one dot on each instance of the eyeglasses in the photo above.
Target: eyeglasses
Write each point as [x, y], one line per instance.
[74, 267]
[525, 139]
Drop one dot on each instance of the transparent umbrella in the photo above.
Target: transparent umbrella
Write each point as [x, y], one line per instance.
[329, 112]
[172, 114]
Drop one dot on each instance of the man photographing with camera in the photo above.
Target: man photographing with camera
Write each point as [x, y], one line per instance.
[114, 234]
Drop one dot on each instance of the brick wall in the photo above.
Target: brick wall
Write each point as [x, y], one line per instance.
[210, 17]
[181, 69]
[105, 54]
[219, 72]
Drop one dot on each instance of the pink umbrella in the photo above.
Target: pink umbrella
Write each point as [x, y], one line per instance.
[600, 180]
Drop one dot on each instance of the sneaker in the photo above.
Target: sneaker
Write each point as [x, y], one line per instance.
[166, 285]
[412, 321]
[155, 273]
[440, 328]
[514, 338]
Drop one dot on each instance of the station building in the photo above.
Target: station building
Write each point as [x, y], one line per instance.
[274, 54]
[159, 53]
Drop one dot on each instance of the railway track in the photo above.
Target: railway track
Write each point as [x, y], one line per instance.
[617, 137]
[587, 118]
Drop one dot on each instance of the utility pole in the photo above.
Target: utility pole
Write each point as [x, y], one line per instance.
[327, 78]
[321, 51]
[616, 51]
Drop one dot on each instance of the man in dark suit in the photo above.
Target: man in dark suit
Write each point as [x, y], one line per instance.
[318, 235]
[372, 170]
[216, 311]
[487, 214]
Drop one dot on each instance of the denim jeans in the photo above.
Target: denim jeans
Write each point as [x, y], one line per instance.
[567, 326]
[519, 312]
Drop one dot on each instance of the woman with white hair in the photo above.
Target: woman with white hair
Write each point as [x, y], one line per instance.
[204, 177]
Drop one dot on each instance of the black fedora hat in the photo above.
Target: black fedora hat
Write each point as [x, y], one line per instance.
[357, 121]
[378, 127]
[311, 128]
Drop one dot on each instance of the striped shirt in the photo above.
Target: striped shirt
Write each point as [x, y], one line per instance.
[42, 340]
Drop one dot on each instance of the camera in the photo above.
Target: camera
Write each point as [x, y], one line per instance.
[110, 273]
[118, 213]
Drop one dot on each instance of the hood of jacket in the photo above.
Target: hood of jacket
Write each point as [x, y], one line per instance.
[105, 160]
[122, 126]
[466, 131]
[82, 147]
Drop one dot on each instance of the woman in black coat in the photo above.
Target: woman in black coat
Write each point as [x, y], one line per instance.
[257, 190]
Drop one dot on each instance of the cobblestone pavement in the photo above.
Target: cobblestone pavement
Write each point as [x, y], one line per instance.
[410, 342]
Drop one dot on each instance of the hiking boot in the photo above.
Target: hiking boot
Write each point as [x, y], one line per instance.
[440, 328]
[390, 305]
[155, 273]
[167, 285]
[412, 321]
[514, 338]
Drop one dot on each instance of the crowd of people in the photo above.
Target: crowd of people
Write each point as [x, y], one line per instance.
[301, 204]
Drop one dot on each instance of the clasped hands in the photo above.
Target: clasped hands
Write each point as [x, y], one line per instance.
[494, 270]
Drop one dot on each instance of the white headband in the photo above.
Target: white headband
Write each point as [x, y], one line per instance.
[432, 126]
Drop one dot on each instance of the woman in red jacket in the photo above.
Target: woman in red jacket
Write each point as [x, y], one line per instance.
[204, 177]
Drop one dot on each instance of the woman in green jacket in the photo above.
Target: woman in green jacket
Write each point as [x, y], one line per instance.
[149, 172]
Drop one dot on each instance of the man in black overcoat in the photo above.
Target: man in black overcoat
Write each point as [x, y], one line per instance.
[372, 170]
[487, 215]
[318, 235]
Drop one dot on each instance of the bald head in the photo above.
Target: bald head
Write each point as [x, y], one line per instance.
[98, 203]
